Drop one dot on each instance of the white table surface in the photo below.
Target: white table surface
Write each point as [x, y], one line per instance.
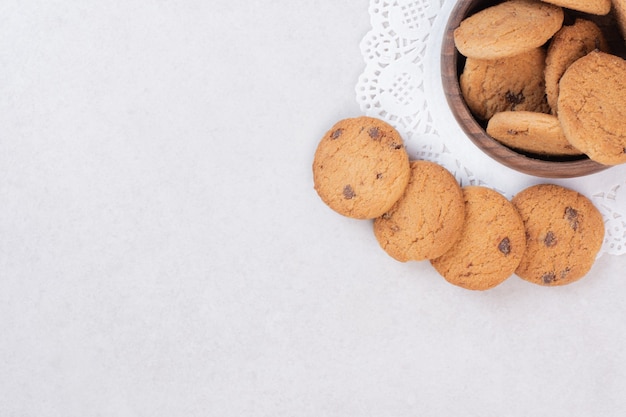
[163, 252]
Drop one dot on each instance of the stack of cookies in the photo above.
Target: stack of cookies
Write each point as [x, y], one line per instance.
[473, 236]
[541, 76]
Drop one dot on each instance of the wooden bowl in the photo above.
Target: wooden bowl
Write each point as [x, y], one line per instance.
[452, 63]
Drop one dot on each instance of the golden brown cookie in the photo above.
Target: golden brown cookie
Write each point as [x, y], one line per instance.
[536, 133]
[592, 107]
[491, 245]
[507, 29]
[597, 7]
[361, 167]
[513, 83]
[564, 233]
[427, 220]
[567, 45]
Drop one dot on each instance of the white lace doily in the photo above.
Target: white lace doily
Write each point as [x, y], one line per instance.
[401, 84]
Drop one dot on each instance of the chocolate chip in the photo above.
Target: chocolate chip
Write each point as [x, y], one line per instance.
[548, 278]
[374, 133]
[396, 146]
[336, 134]
[550, 240]
[514, 99]
[348, 192]
[571, 215]
[379, 176]
[505, 246]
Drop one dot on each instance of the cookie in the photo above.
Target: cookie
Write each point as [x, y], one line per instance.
[491, 245]
[427, 220]
[530, 132]
[567, 45]
[513, 83]
[592, 107]
[507, 29]
[597, 7]
[564, 233]
[361, 167]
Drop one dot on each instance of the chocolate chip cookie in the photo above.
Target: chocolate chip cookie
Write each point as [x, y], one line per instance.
[592, 107]
[531, 132]
[564, 233]
[427, 220]
[361, 167]
[507, 29]
[512, 83]
[491, 244]
[597, 7]
[569, 44]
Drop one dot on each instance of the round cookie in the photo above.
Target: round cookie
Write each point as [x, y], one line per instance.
[592, 107]
[491, 244]
[569, 44]
[536, 133]
[361, 167]
[597, 7]
[427, 220]
[564, 233]
[507, 29]
[514, 83]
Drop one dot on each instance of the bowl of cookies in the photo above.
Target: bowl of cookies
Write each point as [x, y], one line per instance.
[539, 86]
